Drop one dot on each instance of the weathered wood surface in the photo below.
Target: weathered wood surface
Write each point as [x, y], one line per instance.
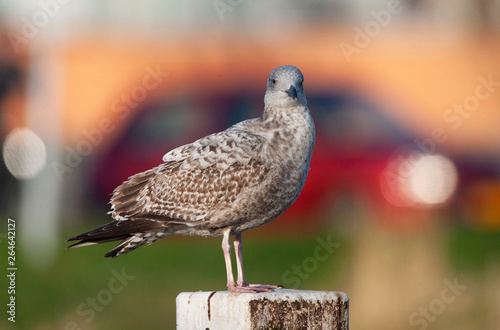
[281, 309]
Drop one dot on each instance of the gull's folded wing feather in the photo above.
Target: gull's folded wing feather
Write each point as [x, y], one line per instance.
[194, 180]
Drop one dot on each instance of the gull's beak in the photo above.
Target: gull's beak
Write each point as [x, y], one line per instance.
[292, 92]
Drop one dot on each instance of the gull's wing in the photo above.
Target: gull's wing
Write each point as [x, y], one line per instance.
[195, 179]
[220, 149]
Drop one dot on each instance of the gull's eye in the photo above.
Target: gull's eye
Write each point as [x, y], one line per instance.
[274, 81]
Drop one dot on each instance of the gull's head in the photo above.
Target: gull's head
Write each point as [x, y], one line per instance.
[284, 87]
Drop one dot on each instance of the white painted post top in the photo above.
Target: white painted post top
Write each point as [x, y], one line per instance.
[280, 309]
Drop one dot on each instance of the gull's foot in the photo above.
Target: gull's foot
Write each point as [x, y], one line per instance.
[254, 288]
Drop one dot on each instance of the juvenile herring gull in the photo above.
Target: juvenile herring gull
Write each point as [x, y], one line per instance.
[220, 185]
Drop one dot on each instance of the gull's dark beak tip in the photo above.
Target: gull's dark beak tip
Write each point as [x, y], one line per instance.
[292, 92]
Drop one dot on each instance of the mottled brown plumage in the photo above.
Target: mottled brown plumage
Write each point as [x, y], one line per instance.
[222, 184]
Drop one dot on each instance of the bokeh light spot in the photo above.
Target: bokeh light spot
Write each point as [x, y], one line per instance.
[432, 179]
[24, 153]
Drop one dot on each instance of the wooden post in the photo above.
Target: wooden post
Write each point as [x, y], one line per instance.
[280, 309]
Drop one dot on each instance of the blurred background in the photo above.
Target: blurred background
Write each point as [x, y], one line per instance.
[401, 208]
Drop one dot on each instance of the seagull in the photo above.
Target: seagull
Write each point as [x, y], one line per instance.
[221, 185]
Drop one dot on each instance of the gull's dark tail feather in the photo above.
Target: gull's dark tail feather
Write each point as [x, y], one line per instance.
[124, 202]
[134, 233]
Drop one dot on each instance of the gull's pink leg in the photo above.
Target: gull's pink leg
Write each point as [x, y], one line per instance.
[231, 285]
[238, 247]
[242, 284]
[226, 248]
